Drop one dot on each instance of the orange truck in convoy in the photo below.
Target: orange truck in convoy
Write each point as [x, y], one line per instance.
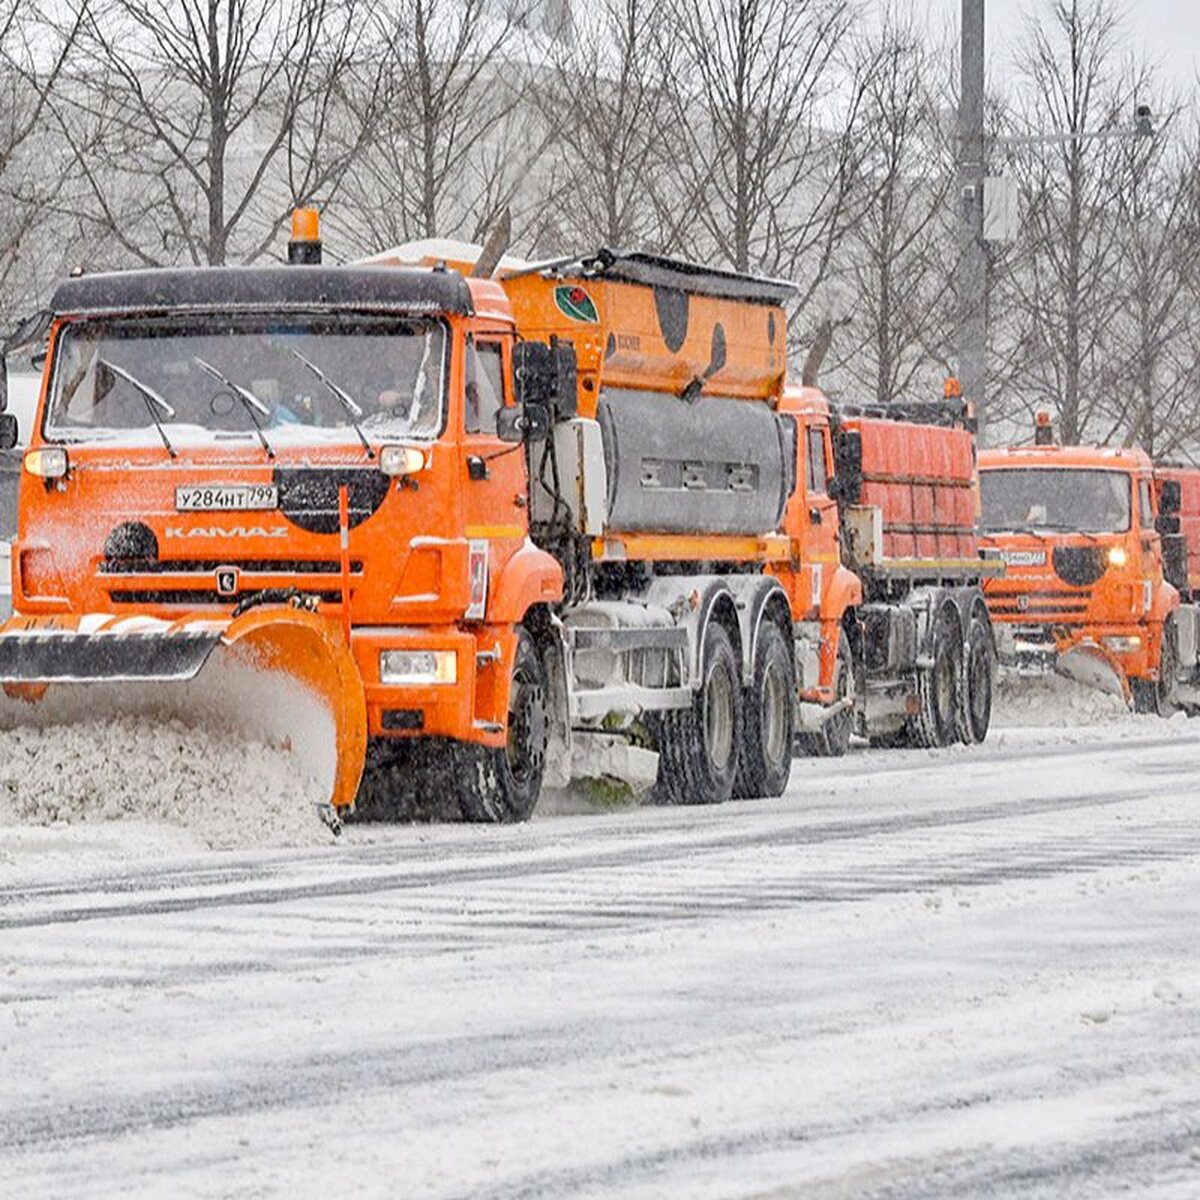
[1097, 585]
[502, 532]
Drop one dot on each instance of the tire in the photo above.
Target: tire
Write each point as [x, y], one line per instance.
[1157, 697]
[833, 740]
[501, 784]
[977, 682]
[768, 717]
[938, 686]
[406, 780]
[698, 745]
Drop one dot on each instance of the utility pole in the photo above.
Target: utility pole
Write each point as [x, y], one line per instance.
[973, 265]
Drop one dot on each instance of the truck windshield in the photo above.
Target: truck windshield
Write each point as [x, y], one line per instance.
[112, 379]
[1058, 499]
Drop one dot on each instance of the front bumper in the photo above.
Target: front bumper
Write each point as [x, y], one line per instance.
[472, 708]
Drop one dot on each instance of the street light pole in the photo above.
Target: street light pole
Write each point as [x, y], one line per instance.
[973, 265]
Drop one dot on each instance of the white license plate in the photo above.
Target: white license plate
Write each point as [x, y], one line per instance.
[1024, 558]
[226, 497]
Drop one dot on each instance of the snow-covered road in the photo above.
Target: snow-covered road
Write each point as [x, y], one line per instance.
[972, 973]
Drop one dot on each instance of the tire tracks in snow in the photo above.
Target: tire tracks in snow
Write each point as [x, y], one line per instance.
[661, 849]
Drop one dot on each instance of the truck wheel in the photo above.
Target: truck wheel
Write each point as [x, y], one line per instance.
[834, 738]
[938, 687]
[698, 745]
[406, 781]
[975, 687]
[1158, 696]
[768, 715]
[500, 784]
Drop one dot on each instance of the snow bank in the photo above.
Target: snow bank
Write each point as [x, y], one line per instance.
[239, 758]
[226, 791]
[1053, 700]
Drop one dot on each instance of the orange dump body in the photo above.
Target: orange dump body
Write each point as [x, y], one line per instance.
[1096, 589]
[634, 335]
[922, 479]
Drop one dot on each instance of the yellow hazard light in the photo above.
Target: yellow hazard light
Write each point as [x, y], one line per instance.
[1118, 556]
[306, 225]
[401, 460]
[46, 462]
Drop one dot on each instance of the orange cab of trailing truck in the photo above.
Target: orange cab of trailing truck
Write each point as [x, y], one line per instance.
[1084, 592]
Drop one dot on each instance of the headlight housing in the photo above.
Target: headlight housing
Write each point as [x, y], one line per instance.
[401, 460]
[1123, 644]
[46, 462]
[414, 667]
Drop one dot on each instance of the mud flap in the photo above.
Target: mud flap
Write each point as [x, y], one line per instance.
[1094, 667]
[277, 674]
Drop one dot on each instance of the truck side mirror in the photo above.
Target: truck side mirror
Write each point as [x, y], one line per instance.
[8, 431]
[545, 374]
[527, 422]
[1170, 497]
[846, 485]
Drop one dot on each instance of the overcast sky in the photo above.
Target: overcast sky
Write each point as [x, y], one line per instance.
[1167, 32]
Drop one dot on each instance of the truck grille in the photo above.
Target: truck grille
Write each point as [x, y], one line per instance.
[194, 581]
[259, 566]
[1047, 602]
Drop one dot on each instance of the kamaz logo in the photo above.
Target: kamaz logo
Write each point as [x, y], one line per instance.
[228, 531]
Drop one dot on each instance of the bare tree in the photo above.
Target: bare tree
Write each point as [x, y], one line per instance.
[1065, 283]
[456, 139]
[764, 114]
[33, 54]
[1153, 394]
[197, 125]
[899, 253]
[608, 102]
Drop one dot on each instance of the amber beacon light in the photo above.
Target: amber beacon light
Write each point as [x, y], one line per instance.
[304, 248]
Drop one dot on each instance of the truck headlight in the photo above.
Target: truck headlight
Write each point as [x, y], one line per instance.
[1118, 556]
[1123, 645]
[401, 460]
[418, 666]
[46, 462]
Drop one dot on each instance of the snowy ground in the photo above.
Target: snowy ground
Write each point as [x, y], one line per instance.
[951, 974]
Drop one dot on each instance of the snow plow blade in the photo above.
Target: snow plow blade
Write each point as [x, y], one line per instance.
[1094, 667]
[281, 675]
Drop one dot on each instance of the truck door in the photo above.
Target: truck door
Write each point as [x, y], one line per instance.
[495, 491]
[822, 510]
[1151, 542]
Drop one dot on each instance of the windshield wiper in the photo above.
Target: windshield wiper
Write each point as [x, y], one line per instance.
[149, 396]
[250, 401]
[353, 409]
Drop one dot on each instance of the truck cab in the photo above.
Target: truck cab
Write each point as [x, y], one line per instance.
[1084, 592]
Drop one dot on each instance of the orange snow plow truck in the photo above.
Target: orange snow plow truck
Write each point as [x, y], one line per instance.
[1102, 549]
[486, 534]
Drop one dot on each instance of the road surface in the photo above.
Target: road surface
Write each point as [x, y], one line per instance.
[956, 974]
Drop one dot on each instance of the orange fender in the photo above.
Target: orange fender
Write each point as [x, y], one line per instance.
[529, 577]
[843, 592]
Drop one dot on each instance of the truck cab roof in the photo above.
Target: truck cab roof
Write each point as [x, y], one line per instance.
[269, 288]
[1096, 457]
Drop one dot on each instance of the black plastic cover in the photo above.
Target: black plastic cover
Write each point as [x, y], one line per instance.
[224, 289]
[103, 657]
